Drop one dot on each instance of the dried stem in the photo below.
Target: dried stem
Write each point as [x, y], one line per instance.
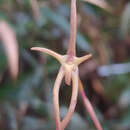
[56, 98]
[72, 49]
[73, 99]
[89, 107]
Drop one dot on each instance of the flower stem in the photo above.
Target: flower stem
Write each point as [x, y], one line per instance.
[73, 23]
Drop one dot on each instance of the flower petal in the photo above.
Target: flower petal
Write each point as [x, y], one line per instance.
[89, 107]
[83, 58]
[56, 98]
[48, 51]
[73, 102]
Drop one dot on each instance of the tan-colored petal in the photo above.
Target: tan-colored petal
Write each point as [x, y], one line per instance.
[73, 102]
[8, 38]
[89, 107]
[48, 51]
[68, 74]
[83, 58]
[56, 98]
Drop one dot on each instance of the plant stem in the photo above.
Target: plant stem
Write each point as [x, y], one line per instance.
[73, 23]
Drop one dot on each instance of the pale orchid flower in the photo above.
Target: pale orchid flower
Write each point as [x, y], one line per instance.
[69, 70]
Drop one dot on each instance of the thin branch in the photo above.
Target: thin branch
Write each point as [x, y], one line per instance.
[73, 23]
[89, 107]
[56, 98]
[73, 102]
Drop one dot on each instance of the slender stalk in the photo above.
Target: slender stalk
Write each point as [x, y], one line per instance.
[56, 98]
[89, 107]
[73, 102]
[73, 23]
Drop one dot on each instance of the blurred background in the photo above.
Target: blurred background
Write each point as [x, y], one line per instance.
[103, 30]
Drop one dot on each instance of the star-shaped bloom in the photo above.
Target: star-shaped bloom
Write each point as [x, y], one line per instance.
[69, 70]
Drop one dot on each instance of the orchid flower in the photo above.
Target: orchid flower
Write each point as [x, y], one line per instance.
[69, 70]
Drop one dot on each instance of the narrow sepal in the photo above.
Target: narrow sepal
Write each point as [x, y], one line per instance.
[89, 107]
[48, 51]
[83, 59]
[73, 102]
[56, 98]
